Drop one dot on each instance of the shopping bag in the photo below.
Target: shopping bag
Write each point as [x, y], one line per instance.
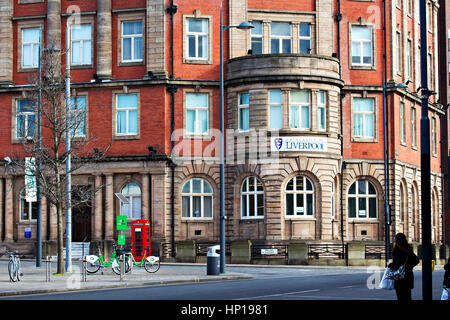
[387, 283]
[445, 294]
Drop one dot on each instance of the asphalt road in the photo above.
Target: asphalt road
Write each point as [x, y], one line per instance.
[269, 283]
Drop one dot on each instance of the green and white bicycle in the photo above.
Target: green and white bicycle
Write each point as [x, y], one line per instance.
[95, 263]
[150, 263]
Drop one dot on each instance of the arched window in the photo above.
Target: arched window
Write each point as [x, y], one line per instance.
[362, 200]
[132, 209]
[197, 199]
[28, 210]
[252, 198]
[299, 197]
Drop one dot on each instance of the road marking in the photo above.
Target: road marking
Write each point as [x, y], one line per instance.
[346, 287]
[279, 294]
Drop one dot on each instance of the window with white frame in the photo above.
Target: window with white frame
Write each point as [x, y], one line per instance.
[28, 210]
[362, 200]
[127, 114]
[409, 59]
[197, 38]
[299, 197]
[25, 118]
[132, 41]
[402, 123]
[252, 198]
[244, 111]
[413, 127]
[257, 37]
[299, 109]
[434, 140]
[321, 111]
[197, 199]
[132, 209]
[399, 55]
[78, 116]
[30, 47]
[275, 109]
[305, 38]
[197, 113]
[333, 204]
[280, 37]
[363, 118]
[362, 45]
[81, 44]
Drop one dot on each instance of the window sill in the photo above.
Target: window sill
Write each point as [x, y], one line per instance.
[300, 218]
[414, 148]
[196, 61]
[205, 137]
[362, 67]
[30, 69]
[131, 63]
[366, 220]
[184, 219]
[403, 144]
[81, 66]
[364, 140]
[126, 137]
[249, 219]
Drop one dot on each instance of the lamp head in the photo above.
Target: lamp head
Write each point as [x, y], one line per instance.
[245, 26]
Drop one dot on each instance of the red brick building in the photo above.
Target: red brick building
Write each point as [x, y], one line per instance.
[308, 72]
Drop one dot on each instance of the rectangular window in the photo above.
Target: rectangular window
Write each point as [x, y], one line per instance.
[197, 39]
[197, 113]
[409, 60]
[25, 119]
[257, 37]
[280, 37]
[78, 116]
[402, 123]
[430, 71]
[30, 47]
[413, 127]
[81, 44]
[321, 111]
[127, 114]
[132, 44]
[362, 45]
[399, 57]
[433, 136]
[305, 38]
[363, 118]
[244, 111]
[275, 109]
[299, 109]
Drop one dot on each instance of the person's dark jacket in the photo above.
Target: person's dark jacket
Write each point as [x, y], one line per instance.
[398, 259]
[447, 274]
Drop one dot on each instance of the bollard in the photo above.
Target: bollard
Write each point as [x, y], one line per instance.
[122, 266]
[84, 265]
[48, 267]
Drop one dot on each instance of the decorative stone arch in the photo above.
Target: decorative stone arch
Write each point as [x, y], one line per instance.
[352, 226]
[415, 212]
[317, 200]
[435, 215]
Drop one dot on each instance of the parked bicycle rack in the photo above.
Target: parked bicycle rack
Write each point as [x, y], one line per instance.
[122, 267]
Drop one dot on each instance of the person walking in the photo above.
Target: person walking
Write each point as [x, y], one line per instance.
[446, 283]
[402, 254]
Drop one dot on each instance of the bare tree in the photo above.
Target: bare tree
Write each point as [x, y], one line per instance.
[48, 149]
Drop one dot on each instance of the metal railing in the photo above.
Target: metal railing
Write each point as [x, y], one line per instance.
[202, 248]
[331, 251]
[374, 251]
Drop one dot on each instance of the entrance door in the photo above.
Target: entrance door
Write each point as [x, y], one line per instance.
[81, 221]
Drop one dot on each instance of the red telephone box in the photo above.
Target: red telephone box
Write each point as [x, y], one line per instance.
[140, 239]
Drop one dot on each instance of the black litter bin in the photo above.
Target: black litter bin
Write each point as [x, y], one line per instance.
[213, 261]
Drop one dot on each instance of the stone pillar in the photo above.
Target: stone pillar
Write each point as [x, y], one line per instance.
[104, 45]
[98, 207]
[238, 38]
[145, 196]
[6, 42]
[356, 253]
[53, 223]
[9, 210]
[324, 30]
[158, 205]
[54, 23]
[109, 207]
[155, 37]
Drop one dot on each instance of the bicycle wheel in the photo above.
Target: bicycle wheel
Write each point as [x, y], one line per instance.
[115, 266]
[19, 272]
[93, 267]
[151, 267]
[12, 270]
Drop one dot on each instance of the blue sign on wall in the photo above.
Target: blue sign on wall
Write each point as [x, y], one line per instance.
[27, 233]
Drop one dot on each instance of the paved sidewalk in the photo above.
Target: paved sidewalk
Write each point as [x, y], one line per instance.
[34, 279]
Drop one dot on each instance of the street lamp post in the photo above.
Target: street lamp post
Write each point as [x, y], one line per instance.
[387, 208]
[68, 161]
[244, 26]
